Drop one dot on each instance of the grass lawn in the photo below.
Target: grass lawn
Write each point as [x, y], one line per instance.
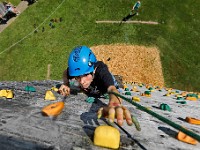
[14, 2]
[177, 37]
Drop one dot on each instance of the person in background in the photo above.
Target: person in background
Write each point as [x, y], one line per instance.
[11, 8]
[136, 7]
[94, 77]
[1, 16]
[31, 1]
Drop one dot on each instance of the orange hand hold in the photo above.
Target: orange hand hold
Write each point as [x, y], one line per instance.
[192, 120]
[54, 109]
[185, 138]
[191, 98]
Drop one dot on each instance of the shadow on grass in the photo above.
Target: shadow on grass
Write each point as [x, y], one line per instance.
[127, 18]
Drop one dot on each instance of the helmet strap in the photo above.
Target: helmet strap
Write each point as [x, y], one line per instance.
[93, 73]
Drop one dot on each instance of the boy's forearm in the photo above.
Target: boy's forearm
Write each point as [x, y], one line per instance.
[114, 100]
[65, 78]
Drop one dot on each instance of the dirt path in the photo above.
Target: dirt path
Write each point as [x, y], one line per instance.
[21, 7]
[136, 22]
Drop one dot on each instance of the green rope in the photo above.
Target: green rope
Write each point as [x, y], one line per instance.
[176, 126]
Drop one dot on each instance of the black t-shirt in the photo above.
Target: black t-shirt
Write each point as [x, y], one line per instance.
[102, 79]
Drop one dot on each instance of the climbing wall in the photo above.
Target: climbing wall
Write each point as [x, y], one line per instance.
[37, 118]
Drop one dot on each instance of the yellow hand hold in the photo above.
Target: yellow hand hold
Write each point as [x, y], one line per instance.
[107, 136]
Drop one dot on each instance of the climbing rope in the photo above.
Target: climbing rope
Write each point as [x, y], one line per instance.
[33, 30]
[169, 122]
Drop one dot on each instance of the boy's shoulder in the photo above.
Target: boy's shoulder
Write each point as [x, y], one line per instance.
[100, 65]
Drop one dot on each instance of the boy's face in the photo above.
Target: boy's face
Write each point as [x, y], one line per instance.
[85, 80]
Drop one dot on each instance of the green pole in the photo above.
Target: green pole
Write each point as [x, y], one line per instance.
[173, 124]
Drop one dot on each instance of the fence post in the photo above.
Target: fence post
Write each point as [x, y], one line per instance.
[48, 71]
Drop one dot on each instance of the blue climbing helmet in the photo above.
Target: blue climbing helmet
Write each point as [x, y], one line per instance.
[81, 61]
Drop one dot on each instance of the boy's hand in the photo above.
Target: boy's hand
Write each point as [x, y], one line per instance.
[119, 112]
[64, 90]
[115, 109]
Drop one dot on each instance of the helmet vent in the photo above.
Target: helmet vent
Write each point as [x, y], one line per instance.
[90, 63]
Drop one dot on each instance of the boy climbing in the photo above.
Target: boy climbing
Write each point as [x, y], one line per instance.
[94, 78]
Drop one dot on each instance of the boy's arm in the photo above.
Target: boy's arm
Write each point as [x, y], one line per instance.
[65, 77]
[114, 100]
[115, 108]
[64, 88]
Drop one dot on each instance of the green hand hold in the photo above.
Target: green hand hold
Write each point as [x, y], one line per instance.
[90, 100]
[128, 93]
[165, 107]
[181, 102]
